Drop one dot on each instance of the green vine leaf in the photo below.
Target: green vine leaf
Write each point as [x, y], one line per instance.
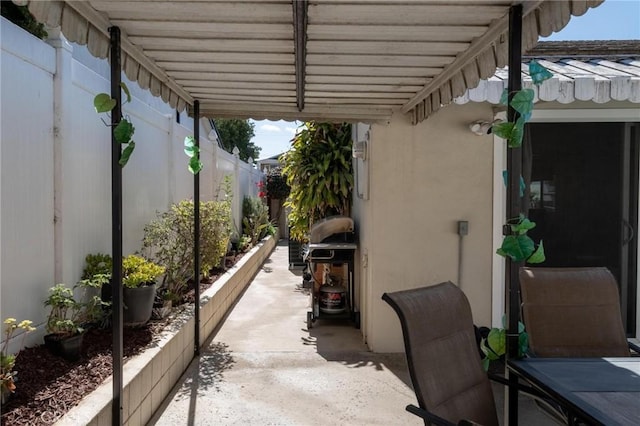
[504, 98]
[522, 101]
[503, 130]
[103, 103]
[517, 134]
[538, 255]
[126, 153]
[517, 247]
[195, 165]
[538, 73]
[190, 148]
[193, 152]
[123, 132]
[523, 226]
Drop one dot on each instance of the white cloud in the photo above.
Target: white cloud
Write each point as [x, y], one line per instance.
[270, 128]
[291, 130]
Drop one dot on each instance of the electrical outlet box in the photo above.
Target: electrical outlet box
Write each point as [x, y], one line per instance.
[463, 227]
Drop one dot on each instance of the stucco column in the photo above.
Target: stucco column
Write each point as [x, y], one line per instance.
[62, 116]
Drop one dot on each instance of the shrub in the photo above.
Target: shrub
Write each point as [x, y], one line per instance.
[255, 218]
[168, 241]
[97, 264]
[138, 271]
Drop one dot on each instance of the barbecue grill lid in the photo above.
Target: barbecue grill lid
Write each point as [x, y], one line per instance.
[329, 226]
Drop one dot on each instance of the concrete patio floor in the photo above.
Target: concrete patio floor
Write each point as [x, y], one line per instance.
[263, 367]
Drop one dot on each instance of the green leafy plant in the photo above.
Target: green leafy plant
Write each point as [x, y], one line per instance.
[518, 245]
[255, 218]
[193, 152]
[97, 264]
[69, 316]
[138, 271]
[319, 171]
[7, 361]
[168, 240]
[495, 344]
[124, 130]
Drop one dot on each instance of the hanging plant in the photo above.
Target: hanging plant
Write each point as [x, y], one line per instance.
[518, 245]
[123, 131]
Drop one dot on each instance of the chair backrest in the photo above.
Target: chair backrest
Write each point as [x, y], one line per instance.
[572, 312]
[442, 354]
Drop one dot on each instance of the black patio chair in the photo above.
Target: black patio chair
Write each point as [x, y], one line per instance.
[442, 355]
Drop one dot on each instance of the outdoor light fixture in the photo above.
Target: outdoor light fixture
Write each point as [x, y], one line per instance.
[482, 127]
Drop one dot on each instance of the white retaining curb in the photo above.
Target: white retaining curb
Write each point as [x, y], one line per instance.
[150, 376]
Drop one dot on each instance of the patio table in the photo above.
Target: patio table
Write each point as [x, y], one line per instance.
[600, 391]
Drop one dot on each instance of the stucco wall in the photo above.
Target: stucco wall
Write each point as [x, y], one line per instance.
[423, 180]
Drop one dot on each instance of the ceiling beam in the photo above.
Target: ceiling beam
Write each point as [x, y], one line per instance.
[300, 47]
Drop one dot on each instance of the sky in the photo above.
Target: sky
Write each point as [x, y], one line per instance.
[612, 20]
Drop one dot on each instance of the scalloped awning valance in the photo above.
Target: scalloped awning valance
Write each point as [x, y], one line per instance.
[324, 60]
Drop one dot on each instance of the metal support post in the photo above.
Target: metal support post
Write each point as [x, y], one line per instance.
[514, 168]
[196, 229]
[116, 229]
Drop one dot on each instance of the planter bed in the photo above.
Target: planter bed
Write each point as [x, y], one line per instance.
[149, 376]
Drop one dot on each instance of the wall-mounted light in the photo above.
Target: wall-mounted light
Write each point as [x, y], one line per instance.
[482, 127]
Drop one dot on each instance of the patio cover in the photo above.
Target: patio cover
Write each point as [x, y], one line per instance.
[331, 60]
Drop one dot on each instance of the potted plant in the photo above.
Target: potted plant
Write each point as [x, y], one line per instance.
[98, 267]
[68, 319]
[139, 277]
[8, 376]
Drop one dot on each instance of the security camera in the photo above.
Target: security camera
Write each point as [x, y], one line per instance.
[481, 127]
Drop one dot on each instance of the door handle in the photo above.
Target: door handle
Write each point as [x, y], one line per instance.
[629, 234]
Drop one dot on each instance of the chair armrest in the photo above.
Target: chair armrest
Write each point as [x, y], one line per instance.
[429, 417]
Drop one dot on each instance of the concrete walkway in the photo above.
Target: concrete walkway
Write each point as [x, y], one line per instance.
[263, 367]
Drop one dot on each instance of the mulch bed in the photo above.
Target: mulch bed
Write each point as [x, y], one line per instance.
[49, 386]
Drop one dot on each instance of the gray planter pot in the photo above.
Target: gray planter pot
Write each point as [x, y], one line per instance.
[138, 305]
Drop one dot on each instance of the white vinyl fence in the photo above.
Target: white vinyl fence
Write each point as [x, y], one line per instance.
[55, 168]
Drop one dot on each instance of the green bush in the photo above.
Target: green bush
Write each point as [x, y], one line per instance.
[97, 264]
[168, 241]
[138, 271]
[255, 218]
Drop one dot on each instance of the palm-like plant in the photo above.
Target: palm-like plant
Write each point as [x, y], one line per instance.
[319, 171]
